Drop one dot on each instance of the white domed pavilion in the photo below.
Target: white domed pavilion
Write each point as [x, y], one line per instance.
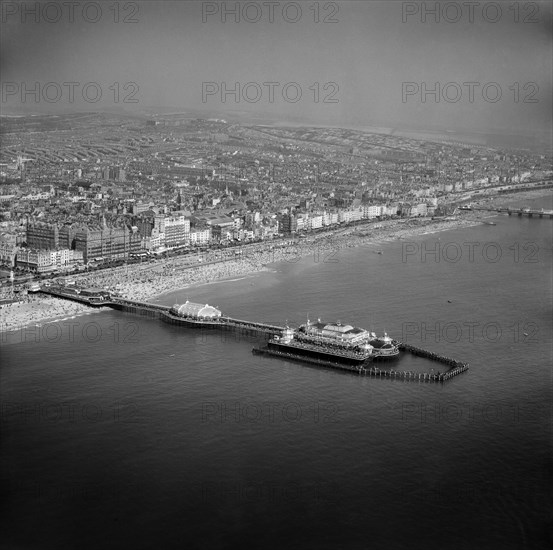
[198, 311]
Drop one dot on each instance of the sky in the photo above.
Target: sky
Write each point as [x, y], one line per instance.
[466, 66]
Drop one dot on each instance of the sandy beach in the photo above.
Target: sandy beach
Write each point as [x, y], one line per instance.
[39, 309]
[149, 280]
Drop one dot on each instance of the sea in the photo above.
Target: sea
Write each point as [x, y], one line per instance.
[120, 431]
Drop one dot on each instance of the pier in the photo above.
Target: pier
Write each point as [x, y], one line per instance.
[166, 314]
[158, 311]
[512, 211]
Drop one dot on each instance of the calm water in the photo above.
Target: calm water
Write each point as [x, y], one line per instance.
[123, 432]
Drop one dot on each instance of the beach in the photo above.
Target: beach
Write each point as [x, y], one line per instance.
[147, 281]
[38, 309]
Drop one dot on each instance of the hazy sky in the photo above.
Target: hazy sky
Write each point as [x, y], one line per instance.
[368, 55]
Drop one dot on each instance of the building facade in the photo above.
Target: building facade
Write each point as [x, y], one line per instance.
[107, 242]
[45, 261]
[200, 236]
[177, 231]
[43, 236]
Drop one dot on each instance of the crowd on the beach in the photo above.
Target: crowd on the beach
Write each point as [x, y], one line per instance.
[36, 309]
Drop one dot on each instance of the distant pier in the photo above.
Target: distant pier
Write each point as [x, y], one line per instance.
[512, 211]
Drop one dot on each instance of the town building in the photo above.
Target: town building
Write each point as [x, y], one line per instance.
[107, 242]
[177, 231]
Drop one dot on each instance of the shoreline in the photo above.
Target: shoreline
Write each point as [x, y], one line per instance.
[153, 281]
[175, 274]
[503, 199]
[41, 310]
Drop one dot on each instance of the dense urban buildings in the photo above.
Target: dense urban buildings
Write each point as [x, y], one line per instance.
[153, 185]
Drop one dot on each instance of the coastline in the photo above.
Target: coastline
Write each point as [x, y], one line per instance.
[152, 281]
[39, 310]
[505, 198]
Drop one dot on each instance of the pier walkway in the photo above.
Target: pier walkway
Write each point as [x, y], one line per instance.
[252, 325]
[138, 305]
